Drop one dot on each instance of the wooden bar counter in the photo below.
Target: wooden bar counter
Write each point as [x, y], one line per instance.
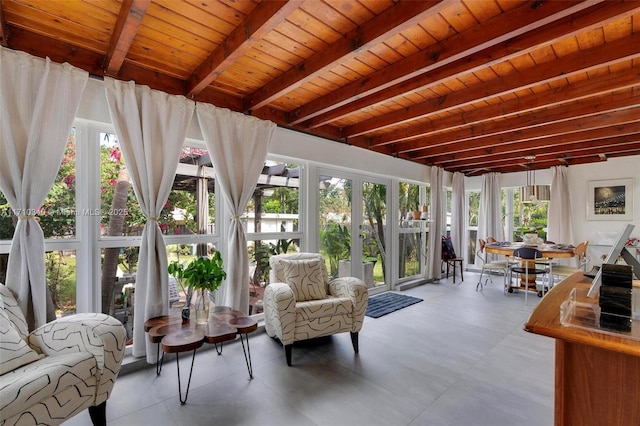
[597, 375]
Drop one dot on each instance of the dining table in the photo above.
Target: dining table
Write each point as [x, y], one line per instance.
[549, 252]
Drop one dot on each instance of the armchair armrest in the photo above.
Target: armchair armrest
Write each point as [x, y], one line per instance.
[280, 312]
[101, 335]
[356, 290]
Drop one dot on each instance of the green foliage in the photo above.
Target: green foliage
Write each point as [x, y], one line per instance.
[335, 240]
[176, 269]
[283, 200]
[205, 273]
[61, 279]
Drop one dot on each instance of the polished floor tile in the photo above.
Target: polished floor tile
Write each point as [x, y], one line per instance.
[458, 358]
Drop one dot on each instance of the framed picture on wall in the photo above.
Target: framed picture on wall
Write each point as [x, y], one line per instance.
[610, 199]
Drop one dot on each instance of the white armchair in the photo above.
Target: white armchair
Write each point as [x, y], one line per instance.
[59, 369]
[300, 303]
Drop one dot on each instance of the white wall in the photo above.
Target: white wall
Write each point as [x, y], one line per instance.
[614, 168]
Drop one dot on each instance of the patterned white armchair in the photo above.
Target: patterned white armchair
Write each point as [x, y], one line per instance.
[59, 369]
[300, 303]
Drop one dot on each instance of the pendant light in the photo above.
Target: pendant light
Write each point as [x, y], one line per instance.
[532, 193]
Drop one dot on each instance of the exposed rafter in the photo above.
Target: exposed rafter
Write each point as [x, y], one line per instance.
[3, 31]
[265, 17]
[456, 55]
[396, 19]
[465, 85]
[131, 13]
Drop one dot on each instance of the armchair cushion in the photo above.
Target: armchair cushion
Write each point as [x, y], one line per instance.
[14, 352]
[306, 279]
[38, 386]
[329, 307]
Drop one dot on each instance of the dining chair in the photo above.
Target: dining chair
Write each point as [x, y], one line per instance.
[450, 259]
[530, 262]
[564, 271]
[489, 266]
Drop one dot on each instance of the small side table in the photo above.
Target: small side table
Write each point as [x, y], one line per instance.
[182, 338]
[175, 336]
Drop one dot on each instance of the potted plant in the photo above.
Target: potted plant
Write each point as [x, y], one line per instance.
[204, 275]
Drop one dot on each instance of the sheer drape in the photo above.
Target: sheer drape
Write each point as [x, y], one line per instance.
[151, 128]
[458, 214]
[490, 210]
[38, 103]
[560, 229]
[238, 145]
[435, 227]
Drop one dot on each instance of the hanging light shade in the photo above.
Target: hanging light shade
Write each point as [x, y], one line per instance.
[535, 193]
[532, 193]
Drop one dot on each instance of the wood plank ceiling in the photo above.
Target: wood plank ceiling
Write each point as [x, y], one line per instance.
[468, 85]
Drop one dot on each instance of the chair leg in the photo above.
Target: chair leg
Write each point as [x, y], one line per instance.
[98, 414]
[526, 285]
[287, 352]
[480, 280]
[354, 341]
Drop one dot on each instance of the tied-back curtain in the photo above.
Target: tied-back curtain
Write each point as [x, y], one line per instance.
[435, 227]
[560, 229]
[238, 145]
[490, 209]
[38, 103]
[151, 128]
[458, 214]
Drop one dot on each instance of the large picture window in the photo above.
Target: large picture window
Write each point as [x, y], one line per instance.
[272, 222]
[57, 217]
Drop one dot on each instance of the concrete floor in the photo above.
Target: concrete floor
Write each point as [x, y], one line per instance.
[459, 357]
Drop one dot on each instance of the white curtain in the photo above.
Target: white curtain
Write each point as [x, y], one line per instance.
[435, 227]
[490, 210]
[151, 128]
[458, 214]
[560, 229]
[238, 145]
[38, 103]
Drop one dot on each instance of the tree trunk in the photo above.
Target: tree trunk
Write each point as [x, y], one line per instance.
[116, 225]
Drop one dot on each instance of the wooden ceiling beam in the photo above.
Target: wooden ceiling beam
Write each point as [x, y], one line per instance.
[547, 148]
[562, 68]
[129, 19]
[389, 23]
[619, 125]
[264, 18]
[559, 158]
[461, 54]
[595, 86]
[3, 28]
[553, 163]
[58, 51]
[575, 112]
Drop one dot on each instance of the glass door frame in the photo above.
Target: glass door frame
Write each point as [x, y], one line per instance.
[357, 181]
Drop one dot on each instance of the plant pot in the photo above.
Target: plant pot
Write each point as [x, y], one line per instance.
[416, 214]
[203, 304]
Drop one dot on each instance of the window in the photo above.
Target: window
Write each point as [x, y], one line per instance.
[272, 222]
[473, 207]
[57, 217]
[412, 234]
[528, 218]
[188, 215]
